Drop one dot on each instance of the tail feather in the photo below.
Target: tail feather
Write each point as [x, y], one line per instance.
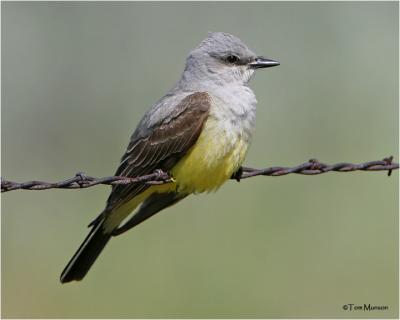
[86, 255]
[152, 205]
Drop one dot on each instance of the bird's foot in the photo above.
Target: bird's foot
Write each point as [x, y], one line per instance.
[238, 174]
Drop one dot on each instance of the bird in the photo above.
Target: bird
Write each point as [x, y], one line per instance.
[199, 133]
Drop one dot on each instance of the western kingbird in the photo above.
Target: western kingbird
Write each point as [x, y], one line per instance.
[199, 133]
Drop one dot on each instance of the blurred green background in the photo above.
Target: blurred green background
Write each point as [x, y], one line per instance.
[76, 79]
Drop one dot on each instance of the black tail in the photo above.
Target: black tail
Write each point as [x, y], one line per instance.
[86, 255]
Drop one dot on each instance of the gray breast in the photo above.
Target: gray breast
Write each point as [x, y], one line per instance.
[235, 107]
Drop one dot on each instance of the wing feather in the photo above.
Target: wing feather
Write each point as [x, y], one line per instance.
[162, 147]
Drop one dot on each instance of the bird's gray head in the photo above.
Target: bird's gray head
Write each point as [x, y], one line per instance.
[224, 58]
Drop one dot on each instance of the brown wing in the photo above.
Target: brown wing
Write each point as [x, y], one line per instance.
[162, 147]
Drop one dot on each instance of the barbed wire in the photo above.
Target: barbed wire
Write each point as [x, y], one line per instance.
[312, 167]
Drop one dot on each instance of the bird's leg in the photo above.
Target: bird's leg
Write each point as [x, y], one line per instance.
[238, 174]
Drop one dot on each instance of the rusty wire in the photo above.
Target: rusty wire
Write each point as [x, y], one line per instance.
[312, 167]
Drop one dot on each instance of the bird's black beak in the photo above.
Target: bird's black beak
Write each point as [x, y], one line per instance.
[261, 62]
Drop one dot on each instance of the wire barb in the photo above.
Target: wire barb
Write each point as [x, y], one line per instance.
[312, 167]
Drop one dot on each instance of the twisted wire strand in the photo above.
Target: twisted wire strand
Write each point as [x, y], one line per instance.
[312, 167]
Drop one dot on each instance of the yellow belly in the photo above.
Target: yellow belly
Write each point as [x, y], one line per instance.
[211, 161]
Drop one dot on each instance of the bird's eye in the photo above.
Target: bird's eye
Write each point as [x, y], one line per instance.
[232, 58]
